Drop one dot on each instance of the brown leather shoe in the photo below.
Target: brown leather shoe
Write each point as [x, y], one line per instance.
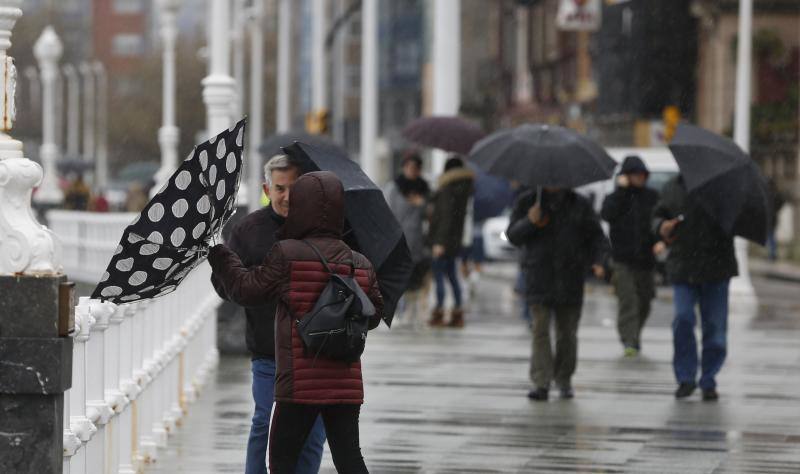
[457, 318]
[437, 318]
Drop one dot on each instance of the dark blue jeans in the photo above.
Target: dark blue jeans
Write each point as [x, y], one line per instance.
[713, 301]
[263, 395]
[446, 267]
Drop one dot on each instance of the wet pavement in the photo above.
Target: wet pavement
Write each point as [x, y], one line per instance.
[453, 401]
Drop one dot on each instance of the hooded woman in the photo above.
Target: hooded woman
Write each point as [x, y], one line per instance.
[306, 385]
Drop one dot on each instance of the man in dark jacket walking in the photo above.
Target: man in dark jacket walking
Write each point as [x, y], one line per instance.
[561, 239]
[700, 264]
[251, 239]
[629, 210]
[446, 235]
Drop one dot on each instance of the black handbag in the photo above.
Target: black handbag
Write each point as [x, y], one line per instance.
[337, 325]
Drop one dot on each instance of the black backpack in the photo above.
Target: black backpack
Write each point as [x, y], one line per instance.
[337, 325]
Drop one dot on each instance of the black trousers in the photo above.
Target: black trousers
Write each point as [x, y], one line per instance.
[291, 424]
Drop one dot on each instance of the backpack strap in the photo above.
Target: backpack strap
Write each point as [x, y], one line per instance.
[325, 261]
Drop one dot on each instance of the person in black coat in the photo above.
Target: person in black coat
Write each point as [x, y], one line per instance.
[628, 210]
[561, 239]
[700, 264]
[251, 239]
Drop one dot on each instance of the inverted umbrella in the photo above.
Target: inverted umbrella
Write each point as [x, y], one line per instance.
[543, 155]
[172, 234]
[454, 134]
[372, 227]
[724, 180]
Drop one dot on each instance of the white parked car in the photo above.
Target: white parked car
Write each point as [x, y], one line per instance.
[659, 161]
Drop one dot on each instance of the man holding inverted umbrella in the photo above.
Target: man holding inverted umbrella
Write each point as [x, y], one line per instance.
[720, 193]
[558, 231]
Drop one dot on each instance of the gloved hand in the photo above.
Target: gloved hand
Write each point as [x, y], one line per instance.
[215, 253]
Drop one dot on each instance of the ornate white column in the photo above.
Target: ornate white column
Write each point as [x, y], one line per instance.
[89, 122]
[168, 134]
[523, 79]
[369, 88]
[284, 73]
[73, 110]
[219, 86]
[25, 245]
[101, 165]
[238, 28]
[256, 124]
[33, 88]
[742, 285]
[48, 49]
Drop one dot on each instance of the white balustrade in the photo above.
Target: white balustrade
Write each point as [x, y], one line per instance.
[136, 367]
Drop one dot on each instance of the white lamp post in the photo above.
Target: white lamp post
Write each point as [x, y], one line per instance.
[25, 245]
[89, 123]
[101, 166]
[256, 125]
[369, 87]
[283, 99]
[742, 285]
[73, 110]
[48, 49]
[219, 86]
[168, 134]
[319, 69]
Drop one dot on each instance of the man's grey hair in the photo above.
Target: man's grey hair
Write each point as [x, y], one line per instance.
[277, 162]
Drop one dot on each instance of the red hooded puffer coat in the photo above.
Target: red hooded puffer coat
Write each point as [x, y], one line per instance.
[293, 273]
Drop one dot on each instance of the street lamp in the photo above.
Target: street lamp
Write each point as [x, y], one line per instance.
[168, 134]
[48, 50]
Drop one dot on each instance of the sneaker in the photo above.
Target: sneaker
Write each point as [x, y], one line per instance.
[631, 352]
[567, 393]
[539, 394]
[685, 390]
[710, 395]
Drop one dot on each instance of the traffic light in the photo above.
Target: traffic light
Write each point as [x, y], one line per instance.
[317, 121]
[671, 115]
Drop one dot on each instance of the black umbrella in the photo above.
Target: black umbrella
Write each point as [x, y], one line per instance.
[273, 145]
[454, 134]
[373, 229]
[543, 155]
[172, 234]
[724, 180]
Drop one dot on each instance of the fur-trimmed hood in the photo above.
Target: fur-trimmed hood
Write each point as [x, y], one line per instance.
[455, 174]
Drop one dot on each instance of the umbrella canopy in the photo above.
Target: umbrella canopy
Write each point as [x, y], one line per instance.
[543, 155]
[273, 145]
[373, 229]
[446, 133]
[171, 236]
[724, 180]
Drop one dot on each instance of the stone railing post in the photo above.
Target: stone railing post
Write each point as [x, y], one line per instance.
[35, 362]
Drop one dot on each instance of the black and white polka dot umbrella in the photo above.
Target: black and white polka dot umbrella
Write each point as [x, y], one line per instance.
[174, 231]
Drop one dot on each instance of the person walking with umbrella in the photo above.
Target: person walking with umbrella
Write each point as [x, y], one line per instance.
[295, 273]
[407, 196]
[719, 193]
[447, 220]
[628, 210]
[558, 231]
[251, 239]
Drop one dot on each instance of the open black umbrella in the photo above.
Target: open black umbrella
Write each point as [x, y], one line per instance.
[724, 180]
[172, 234]
[543, 155]
[372, 228]
[454, 134]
